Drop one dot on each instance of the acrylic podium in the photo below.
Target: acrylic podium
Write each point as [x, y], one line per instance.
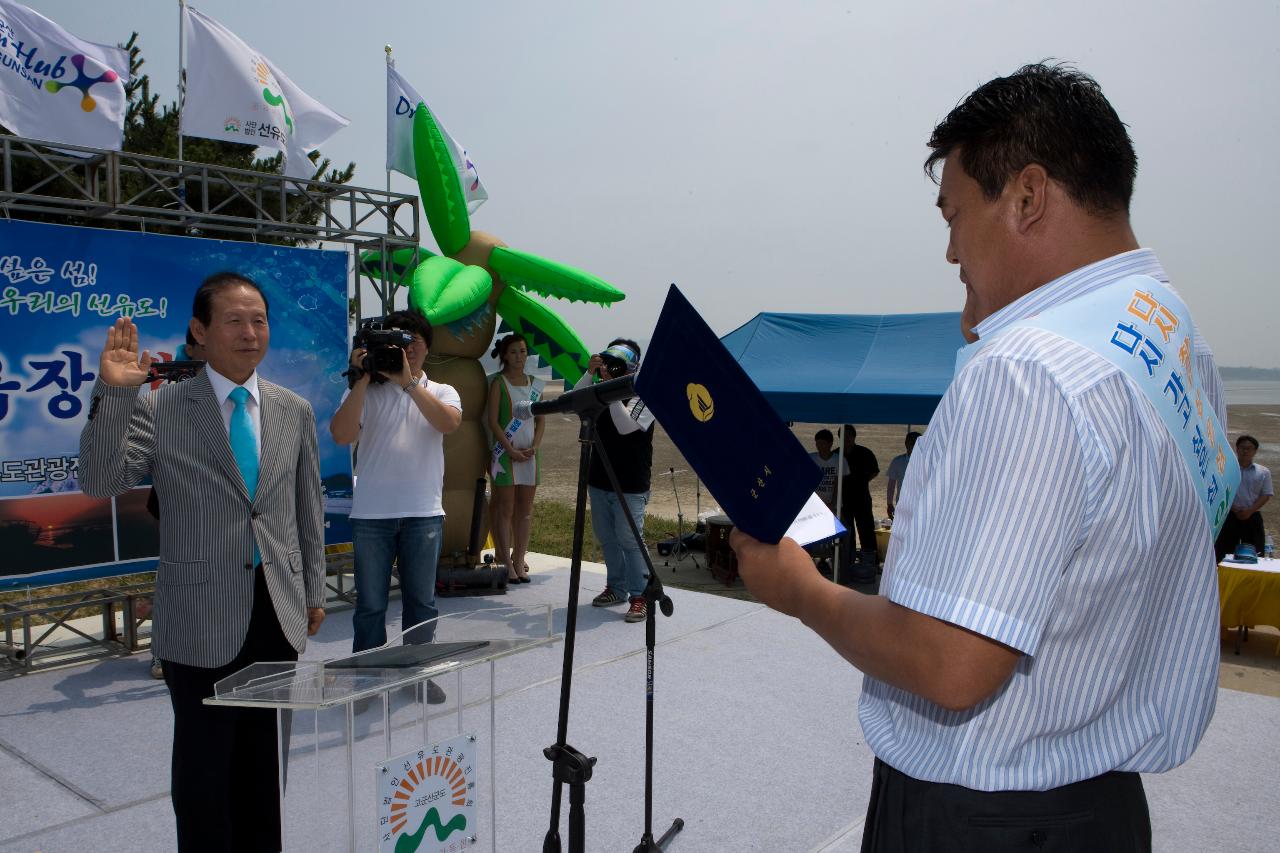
[373, 758]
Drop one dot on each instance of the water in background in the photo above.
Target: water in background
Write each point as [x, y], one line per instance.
[1252, 392]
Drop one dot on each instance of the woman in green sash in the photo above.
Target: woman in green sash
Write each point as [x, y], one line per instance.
[513, 463]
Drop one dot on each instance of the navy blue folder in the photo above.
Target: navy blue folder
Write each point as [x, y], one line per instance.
[742, 451]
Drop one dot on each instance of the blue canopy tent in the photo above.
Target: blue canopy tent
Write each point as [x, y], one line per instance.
[850, 368]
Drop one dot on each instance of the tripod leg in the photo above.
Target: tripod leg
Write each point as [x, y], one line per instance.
[676, 826]
[675, 551]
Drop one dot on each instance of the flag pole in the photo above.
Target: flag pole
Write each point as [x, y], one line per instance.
[391, 63]
[182, 96]
[386, 265]
[182, 14]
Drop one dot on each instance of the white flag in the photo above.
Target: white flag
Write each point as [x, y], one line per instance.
[56, 86]
[235, 94]
[402, 102]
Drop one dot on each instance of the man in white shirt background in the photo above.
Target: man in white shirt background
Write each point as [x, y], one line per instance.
[827, 459]
[1244, 523]
[898, 472]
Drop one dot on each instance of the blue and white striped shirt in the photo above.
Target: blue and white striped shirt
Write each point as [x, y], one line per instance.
[1047, 508]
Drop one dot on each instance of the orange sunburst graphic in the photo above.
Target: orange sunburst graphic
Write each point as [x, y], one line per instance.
[260, 69]
[434, 769]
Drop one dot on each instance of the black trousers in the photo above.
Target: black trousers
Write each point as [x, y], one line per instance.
[1106, 814]
[1234, 531]
[225, 788]
[857, 514]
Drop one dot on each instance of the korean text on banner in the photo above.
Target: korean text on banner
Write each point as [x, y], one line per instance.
[402, 102]
[57, 87]
[236, 94]
[61, 288]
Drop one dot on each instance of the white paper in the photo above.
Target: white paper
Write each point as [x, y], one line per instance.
[815, 523]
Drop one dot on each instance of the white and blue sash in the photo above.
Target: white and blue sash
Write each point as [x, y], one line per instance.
[1143, 328]
[513, 427]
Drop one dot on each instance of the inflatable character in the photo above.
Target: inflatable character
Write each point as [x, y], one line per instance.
[463, 291]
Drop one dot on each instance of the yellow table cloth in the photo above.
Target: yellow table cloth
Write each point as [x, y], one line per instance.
[1249, 594]
[882, 542]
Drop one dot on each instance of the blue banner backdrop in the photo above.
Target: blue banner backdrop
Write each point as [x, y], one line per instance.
[61, 287]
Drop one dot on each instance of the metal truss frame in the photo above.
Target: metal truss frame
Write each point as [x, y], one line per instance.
[94, 186]
[201, 199]
[42, 632]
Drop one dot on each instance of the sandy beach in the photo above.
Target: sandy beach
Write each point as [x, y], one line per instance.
[560, 458]
[1255, 670]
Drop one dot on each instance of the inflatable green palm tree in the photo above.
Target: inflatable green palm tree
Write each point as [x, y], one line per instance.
[476, 271]
[462, 291]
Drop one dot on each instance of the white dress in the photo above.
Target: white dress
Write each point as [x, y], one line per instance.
[511, 473]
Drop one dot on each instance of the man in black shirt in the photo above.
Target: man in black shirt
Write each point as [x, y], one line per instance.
[856, 507]
[625, 431]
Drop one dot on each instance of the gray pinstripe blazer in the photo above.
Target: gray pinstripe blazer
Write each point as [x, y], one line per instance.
[208, 524]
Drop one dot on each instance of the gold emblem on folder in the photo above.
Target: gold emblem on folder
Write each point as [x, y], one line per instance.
[700, 402]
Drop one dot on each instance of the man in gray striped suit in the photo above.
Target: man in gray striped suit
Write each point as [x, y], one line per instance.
[241, 574]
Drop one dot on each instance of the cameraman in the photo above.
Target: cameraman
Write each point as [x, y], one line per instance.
[626, 434]
[192, 350]
[400, 419]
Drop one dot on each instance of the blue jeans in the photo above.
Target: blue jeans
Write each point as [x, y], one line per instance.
[414, 544]
[623, 559]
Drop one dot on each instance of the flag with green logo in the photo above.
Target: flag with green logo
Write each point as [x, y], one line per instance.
[236, 94]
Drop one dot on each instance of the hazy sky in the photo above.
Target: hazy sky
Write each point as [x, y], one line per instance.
[766, 156]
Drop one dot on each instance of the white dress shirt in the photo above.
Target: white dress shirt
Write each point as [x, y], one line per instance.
[1048, 509]
[222, 387]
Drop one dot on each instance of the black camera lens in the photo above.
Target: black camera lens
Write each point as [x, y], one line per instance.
[613, 365]
[383, 348]
[385, 359]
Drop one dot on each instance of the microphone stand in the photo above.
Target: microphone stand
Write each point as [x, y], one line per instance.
[654, 594]
[568, 765]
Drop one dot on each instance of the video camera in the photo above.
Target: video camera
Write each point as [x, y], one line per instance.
[383, 346]
[619, 360]
[173, 371]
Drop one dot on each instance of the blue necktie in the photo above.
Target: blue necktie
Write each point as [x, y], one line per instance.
[243, 447]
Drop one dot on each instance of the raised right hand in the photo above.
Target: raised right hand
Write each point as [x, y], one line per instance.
[120, 364]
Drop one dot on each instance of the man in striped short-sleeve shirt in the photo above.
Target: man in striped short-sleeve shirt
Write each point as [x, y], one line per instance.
[1047, 623]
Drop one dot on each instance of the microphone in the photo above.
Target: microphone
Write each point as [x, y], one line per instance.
[589, 400]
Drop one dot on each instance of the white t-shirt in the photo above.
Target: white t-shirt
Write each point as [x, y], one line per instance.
[827, 488]
[400, 457]
[898, 468]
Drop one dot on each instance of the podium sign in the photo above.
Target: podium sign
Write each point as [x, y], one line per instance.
[392, 749]
[427, 799]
